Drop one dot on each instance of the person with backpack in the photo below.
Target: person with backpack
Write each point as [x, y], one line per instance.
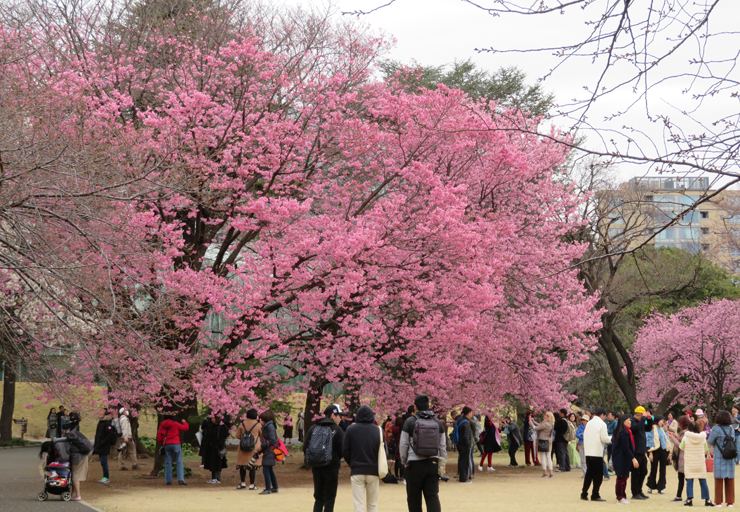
[722, 438]
[464, 434]
[491, 443]
[129, 447]
[168, 437]
[269, 445]
[562, 438]
[361, 450]
[79, 449]
[323, 453]
[105, 437]
[249, 434]
[422, 445]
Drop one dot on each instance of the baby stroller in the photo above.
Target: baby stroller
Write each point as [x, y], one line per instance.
[57, 481]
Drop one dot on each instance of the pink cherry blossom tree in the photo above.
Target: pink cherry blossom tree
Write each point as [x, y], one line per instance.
[695, 352]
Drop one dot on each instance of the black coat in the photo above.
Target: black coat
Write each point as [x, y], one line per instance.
[561, 428]
[336, 451]
[465, 432]
[269, 443]
[622, 453]
[214, 440]
[490, 443]
[362, 444]
[105, 437]
[639, 429]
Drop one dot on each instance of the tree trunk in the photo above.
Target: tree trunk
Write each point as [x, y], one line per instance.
[6, 417]
[140, 448]
[666, 401]
[608, 340]
[189, 408]
[313, 404]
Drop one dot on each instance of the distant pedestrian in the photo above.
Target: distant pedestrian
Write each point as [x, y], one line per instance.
[361, 449]
[421, 458]
[52, 425]
[579, 443]
[514, 437]
[678, 455]
[399, 471]
[491, 443]
[544, 432]
[128, 449]
[703, 422]
[658, 457]
[325, 468]
[641, 423]
[695, 448]
[623, 455]
[214, 446]
[595, 437]
[168, 436]
[105, 437]
[61, 420]
[465, 445]
[560, 443]
[530, 442]
[245, 459]
[724, 469]
[288, 429]
[269, 445]
[736, 430]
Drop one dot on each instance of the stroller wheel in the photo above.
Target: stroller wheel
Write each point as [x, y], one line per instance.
[66, 496]
[43, 496]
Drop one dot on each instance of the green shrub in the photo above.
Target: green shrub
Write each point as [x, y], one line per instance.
[187, 471]
[149, 443]
[188, 450]
[16, 441]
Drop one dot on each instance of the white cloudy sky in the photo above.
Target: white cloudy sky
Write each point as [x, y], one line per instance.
[436, 32]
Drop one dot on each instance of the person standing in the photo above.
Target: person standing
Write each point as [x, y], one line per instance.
[214, 446]
[736, 430]
[724, 469]
[658, 457]
[530, 441]
[595, 437]
[61, 419]
[326, 477]
[641, 423]
[703, 422]
[105, 437]
[52, 424]
[465, 445]
[244, 460]
[288, 429]
[611, 425]
[491, 443]
[560, 443]
[129, 447]
[514, 437]
[694, 445]
[579, 441]
[398, 470]
[168, 436]
[420, 460]
[623, 455]
[78, 457]
[360, 448]
[544, 441]
[678, 455]
[269, 444]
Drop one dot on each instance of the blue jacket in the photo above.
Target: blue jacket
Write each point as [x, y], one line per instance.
[579, 433]
[610, 426]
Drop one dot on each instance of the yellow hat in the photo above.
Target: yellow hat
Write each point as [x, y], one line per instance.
[640, 410]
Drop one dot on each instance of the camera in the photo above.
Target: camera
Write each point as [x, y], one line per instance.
[120, 448]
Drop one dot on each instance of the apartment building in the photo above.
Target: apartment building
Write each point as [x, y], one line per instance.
[634, 212]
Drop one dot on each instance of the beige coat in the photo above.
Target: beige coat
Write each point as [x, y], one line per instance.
[243, 458]
[694, 447]
[544, 431]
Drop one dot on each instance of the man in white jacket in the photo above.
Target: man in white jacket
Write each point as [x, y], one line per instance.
[129, 447]
[594, 438]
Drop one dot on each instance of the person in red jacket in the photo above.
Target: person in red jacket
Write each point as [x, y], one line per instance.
[168, 436]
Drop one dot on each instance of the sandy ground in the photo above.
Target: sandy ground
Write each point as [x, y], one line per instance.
[511, 489]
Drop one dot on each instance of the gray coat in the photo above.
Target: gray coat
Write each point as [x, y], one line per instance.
[269, 443]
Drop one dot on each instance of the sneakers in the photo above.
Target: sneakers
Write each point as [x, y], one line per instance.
[584, 497]
[241, 486]
[688, 503]
[639, 497]
[252, 487]
[266, 492]
[661, 492]
[650, 491]
[104, 481]
[490, 469]
[214, 481]
[468, 482]
[624, 501]
[181, 482]
[677, 498]
[480, 468]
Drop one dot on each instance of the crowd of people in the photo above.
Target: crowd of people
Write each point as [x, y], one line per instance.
[635, 448]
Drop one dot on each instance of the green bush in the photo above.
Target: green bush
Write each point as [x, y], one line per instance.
[16, 441]
[187, 471]
[188, 450]
[149, 443]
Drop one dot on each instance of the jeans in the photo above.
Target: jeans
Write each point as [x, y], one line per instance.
[269, 474]
[702, 484]
[325, 482]
[104, 464]
[173, 451]
[422, 477]
[365, 492]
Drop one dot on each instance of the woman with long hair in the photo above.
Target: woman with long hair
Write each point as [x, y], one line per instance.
[623, 455]
[491, 443]
[544, 441]
[52, 425]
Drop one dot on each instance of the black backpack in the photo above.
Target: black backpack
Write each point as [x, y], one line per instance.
[425, 438]
[728, 449]
[247, 442]
[82, 444]
[319, 451]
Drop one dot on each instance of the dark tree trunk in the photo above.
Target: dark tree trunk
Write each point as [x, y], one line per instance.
[187, 409]
[617, 356]
[140, 448]
[6, 417]
[313, 404]
[666, 401]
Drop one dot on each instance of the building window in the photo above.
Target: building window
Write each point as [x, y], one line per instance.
[704, 247]
[649, 198]
[704, 231]
[735, 252]
[704, 215]
[734, 219]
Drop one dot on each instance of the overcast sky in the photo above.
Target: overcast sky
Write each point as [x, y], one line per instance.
[437, 32]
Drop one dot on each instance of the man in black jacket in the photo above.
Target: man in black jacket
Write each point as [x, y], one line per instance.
[465, 445]
[560, 444]
[361, 447]
[326, 478]
[641, 423]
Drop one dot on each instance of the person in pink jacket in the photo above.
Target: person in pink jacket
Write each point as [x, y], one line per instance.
[168, 436]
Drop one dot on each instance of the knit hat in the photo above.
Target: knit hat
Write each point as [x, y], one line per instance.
[639, 410]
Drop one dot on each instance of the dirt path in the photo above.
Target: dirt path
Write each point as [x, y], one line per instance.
[520, 490]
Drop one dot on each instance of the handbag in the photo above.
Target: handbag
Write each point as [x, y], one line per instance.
[710, 464]
[543, 445]
[382, 460]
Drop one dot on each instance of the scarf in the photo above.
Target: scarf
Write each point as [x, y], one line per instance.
[632, 437]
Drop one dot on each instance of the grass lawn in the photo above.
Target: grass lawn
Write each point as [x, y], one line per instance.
[519, 489]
